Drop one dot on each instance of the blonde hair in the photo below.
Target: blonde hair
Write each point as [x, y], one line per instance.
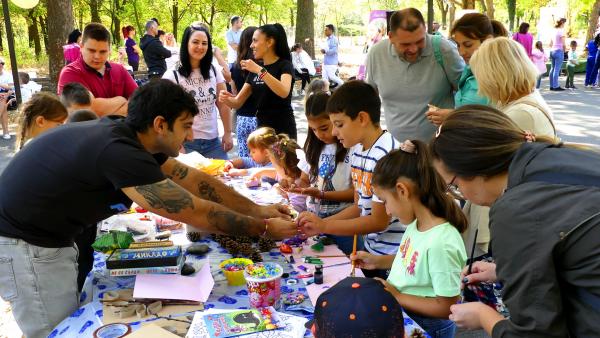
[262, 138]
[503, 70]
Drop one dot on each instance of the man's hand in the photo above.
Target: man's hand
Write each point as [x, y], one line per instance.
[310, 224]
[274, 211]
[437, 115]
[281, 228]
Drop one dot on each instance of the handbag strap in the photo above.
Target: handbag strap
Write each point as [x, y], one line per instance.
[543, 110]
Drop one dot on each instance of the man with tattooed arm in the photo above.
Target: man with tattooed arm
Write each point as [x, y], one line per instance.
[81, 173]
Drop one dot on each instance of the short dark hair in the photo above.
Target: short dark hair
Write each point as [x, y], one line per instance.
[75, 93]
[82, 115]
[573, 43]
[296, 46]
[158, 98]
[234, 19]
[408, 19]
[155, 20]
[24, 78]
[95, 31]
[330, 26]
[74, 36]
[160, 33]
[353, 97]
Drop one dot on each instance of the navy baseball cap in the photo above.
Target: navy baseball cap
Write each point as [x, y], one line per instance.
[357, 307]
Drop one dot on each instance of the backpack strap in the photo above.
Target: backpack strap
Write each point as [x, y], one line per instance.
[176, 76]
[436, 42]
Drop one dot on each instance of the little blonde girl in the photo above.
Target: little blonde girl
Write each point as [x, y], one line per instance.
[259, 142]
[425, 273]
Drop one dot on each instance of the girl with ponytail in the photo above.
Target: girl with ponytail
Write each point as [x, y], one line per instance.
[269, 80]
[425, 273]
[41, 113]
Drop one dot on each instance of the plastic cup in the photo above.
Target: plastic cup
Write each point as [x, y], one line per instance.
[264, 290]
[235, 277]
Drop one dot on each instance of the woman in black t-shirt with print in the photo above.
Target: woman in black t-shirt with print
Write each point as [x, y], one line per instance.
[269, 82]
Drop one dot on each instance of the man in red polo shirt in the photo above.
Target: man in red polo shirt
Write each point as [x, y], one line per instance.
[107, 81]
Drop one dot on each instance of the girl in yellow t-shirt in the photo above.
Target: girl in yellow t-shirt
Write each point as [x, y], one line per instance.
[425, 272]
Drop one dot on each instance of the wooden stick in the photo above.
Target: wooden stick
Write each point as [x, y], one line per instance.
[354, 253]
[329, 256]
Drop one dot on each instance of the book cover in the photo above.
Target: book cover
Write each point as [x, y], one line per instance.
[141, 271]
[144, 258]
[242, 322]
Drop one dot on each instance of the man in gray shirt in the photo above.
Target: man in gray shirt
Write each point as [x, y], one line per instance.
[410, 70]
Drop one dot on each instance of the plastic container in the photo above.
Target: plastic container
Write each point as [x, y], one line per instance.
[264, 290]
[235, 272]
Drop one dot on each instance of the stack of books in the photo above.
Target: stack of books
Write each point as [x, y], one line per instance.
[130, 262]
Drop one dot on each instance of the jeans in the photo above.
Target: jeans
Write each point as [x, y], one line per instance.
[304, 76]
[591, 71]
[207, 148]
[570, 77]
[134, 65]
[436, 327]
[538, 83]
[557, 57]
[40, 284]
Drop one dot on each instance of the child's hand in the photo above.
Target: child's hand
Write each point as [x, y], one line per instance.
[311, 224]
[365, 260]
[237, 172]
[309, 191]
[228, 166]
[281, 191]
[389, 287]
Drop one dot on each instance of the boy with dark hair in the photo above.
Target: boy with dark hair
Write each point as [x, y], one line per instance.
[82, 115]
[82, 173]
[355, 109]
[104, 79]
[75, 96]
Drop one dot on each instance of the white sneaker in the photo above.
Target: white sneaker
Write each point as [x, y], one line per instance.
[6, 136]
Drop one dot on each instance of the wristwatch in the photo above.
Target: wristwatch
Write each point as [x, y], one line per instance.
[263, 71]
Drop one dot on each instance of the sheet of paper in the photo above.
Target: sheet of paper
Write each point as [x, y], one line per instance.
[152, 331]
[164, 286]
[294, 326]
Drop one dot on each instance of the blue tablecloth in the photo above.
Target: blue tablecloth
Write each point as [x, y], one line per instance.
[88, 317]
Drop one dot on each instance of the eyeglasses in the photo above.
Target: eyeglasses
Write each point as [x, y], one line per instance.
[453, 190]
[2, 63]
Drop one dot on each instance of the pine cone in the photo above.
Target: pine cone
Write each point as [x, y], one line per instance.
[194, 236]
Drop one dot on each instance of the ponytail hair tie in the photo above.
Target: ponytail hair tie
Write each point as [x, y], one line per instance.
[408, 147]
[529, 136]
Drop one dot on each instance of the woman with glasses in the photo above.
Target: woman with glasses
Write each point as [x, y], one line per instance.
[269, 81]
[545, 223]
[202, 78]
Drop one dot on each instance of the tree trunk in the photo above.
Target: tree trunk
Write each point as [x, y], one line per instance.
[61, 12]
[1, 42]
[512, 7]
[451, 14]
[95, 10]
[292, 17]
[43, 21]
[490, 8]
[175, 18]
[593, 21]
[468, 4]
[116, 21]
[444, 9]
[305, 25]
[138, 25]
[483, 6]
[34, 34]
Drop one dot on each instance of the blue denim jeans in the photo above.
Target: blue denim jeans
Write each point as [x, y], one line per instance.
[40, 284]
[207, 148]
[435, 327]
[557, 57]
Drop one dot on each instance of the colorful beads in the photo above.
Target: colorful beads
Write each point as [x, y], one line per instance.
[263, 270]
[384, 308]
[352, 316]
[355, 285]
[235, 264]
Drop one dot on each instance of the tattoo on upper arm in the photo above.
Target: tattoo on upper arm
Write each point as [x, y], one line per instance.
[166, 195]
[229, 222]
[207, 192]
[179, 171]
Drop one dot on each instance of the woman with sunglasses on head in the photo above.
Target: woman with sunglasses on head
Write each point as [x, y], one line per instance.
[545, 223]
[269, 81]
[202, 78]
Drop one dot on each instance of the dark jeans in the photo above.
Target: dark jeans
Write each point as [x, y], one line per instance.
[436, 327]
[134, 65]
[85, 260]
[207, 148]
[304, 76]
[570, 77]
[591, 70]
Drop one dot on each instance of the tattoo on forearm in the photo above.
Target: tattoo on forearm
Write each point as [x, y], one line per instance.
[179, 171]
[166, 195]
[207, 192]
[229, 222]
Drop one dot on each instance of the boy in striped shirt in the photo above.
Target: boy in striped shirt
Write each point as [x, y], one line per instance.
[355, 110]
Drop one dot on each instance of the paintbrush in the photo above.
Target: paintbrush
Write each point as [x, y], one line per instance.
[472, 258]
[354, 253]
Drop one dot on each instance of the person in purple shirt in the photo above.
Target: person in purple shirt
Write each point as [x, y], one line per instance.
[523, 37]
[131, 48]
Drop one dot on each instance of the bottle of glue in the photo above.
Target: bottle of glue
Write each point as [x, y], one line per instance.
[318, 276]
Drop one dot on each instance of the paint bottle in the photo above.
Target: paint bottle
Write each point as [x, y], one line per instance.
[318, 274]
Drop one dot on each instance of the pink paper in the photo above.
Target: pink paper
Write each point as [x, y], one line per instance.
[331, 274]
[163, 286]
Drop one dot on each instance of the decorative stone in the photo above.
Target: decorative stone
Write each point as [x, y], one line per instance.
[198, 249]
[163, 235]
[318, 247]
[187, 269]
[286, 249]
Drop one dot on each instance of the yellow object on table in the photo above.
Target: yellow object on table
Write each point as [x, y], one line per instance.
[233, 269]
[212, 167]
